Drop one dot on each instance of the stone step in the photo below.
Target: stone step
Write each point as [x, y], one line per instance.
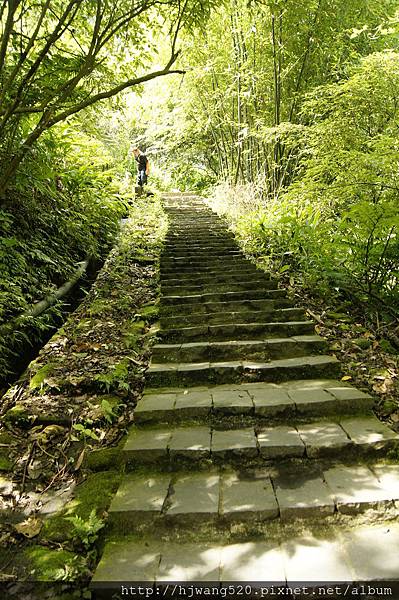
[199, 257]
[198, 221]
[263, 350]
[213, 270]
[220, 498]
[275, 371]
[225, 283]
[202, 254]
[198, 229]
[230, 306]
[366, 553]
[221, 287]
[230, 262]
[204, 239]
[242, 331]
[198, 445]
[197, 245]
[198, 225]
[243, 316]
[222, 297]
[261, 401]
[212, 282]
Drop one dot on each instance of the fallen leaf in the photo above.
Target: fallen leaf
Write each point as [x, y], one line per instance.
[80, 460]
[30, 528]
[380, 388]
[346, 378]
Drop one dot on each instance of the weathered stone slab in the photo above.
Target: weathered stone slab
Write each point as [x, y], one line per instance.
[232, 401]
[252, 561]
[322, 438]
[192, 367]
[140, 497]
[155, 407]
[247, 500]
[388, 477]
[356, 489]
[193, 404]
[147, 445]
[162, 368]
[194, 351]
[271, 400]
[369, 433]
[281, 441]
[278, 370]
[350, 393]
[311, 558]
[312, 400]
[190, 562]
[312, 384]
[236, 442]
[195, 497]
[373, 552]
[127, 561]
[190, 442]
[303, 496]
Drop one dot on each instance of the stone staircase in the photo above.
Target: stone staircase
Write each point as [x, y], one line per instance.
[245, 429]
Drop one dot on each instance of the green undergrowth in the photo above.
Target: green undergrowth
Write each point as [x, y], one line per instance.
[99, 349]
[334, 228]
[74, 404]
[92, 497]
[66, 209]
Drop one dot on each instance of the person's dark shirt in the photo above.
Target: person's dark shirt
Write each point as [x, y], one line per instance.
[142, 162]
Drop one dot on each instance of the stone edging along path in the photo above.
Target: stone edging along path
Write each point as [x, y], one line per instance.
[249, 459]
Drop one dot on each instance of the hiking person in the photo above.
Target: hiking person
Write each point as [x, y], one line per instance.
[143, 166]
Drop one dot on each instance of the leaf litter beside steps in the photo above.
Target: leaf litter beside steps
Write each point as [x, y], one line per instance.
[63, 422]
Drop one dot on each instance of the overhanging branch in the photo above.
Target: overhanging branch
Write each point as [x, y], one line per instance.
[119, 88]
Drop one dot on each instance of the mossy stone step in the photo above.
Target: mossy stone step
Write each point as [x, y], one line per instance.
[293, 399]
[246, 349]
[203, 254]
[230, 306]
[228, 262]
[347, 437]
[189, 374]
[188, 499]
[344, 556]
[240, 316]
[255, 279]
[205, 229]
[243, 331]
[206, 284]
[194, 245]
[241, 269]
[203, 239]
[178, 300]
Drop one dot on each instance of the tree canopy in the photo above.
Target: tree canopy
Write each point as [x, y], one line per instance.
[284, 113]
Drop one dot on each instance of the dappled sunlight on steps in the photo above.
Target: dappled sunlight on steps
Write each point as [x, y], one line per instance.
[245, 426]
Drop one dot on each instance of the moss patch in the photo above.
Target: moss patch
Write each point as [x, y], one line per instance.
[45, 564]
[95, 493]
[5, 463]
[133, 334]
[108, 458]
[150, 312]
[17, 415]
[40, 377]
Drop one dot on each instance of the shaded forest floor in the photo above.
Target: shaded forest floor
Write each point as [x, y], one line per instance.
[63, 422]
[369, 360]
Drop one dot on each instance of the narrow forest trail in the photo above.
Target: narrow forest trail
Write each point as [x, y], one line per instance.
[249, 460]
